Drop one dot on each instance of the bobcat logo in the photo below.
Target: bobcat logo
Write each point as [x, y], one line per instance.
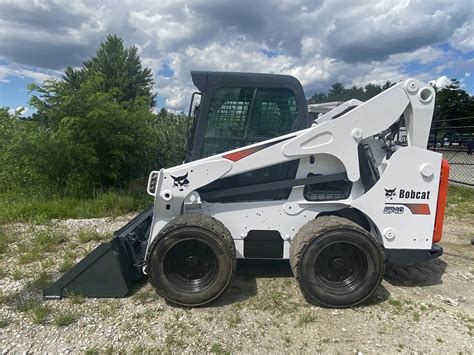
[390, 193]
[180, 181]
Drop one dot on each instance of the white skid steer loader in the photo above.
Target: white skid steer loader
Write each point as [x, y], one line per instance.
[338, 197]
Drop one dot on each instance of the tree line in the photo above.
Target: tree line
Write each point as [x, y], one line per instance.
[452, 102]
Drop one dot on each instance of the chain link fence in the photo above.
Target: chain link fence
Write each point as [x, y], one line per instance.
[456, 143]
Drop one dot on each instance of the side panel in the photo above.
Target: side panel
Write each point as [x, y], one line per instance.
[403, 202]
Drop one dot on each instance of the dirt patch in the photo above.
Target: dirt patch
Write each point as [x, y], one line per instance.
[426, 307]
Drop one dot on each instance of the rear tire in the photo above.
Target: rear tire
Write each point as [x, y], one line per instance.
[193, 260]
[336, 262]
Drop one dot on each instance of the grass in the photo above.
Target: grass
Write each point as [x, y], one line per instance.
[86, 236]
[38, 209]
[145, 295]
[274, 301]
[396, 303]
[40, 313]
[217, 348]
[460, 201]
[109, 307]
[234, 320]
[306, 318]
[76, 298]
[23, 304]
[468, 322]
[62, 319]
[3, 242]
[4, 322]
[67, 264]
[44, 241]
[41, 281]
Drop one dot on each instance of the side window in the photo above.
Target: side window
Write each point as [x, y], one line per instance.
[274, 112]
[242, 116]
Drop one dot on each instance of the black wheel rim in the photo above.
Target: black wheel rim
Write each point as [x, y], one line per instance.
[190, 265]
[341, 267]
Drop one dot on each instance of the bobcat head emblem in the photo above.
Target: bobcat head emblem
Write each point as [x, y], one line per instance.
[390, 193]
[180, 181]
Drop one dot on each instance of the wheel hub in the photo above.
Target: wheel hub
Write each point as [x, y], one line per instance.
[190, 264]
[191, 260]
[337, 264]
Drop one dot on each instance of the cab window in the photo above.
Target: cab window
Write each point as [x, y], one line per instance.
[243, 116]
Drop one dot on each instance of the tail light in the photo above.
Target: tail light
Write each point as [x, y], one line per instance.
[441, 204]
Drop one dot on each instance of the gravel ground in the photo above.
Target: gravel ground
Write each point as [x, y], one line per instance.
[427, 307]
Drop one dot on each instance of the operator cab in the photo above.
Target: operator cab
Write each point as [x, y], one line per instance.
[238, 109]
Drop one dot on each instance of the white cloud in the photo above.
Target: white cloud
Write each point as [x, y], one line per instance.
[9, 70]
[441, 82]
[463, 38]
[22, 111]
[317, 41]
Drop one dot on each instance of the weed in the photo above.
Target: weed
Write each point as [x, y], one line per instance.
[23, 304]
[44, 241]
[416, 316]
[395, 303]
[91, 351]
[109, 308]
[48, 240]
[109, 350]
[468, 322]
[217, 348]
[30, 256]
[68, 260]
[4, 322]
[4, 240]
[234, 320]
[287, 340]
[40, 313]
[86, 236]
[41, 281]
[145, 295]
[398, 305]
[274, 301]
[47, 263]
[67, 264]
[62, 319]
[439, 340]
[76, 298]
[306, 318]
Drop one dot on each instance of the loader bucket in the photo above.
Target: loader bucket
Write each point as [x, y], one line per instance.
[112, 268]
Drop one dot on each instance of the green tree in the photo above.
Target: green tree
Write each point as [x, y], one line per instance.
[93, 128]
[453, 102]
[122, 72]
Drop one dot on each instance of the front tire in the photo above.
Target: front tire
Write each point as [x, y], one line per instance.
[193, 260]
[336, 262]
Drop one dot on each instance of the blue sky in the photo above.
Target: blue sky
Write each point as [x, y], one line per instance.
[317, 42]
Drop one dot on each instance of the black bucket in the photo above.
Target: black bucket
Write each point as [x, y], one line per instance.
[112, 268]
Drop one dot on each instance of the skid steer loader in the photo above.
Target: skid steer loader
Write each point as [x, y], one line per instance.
[336, 196]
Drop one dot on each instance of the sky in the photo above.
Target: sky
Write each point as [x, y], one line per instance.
[319, 42]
